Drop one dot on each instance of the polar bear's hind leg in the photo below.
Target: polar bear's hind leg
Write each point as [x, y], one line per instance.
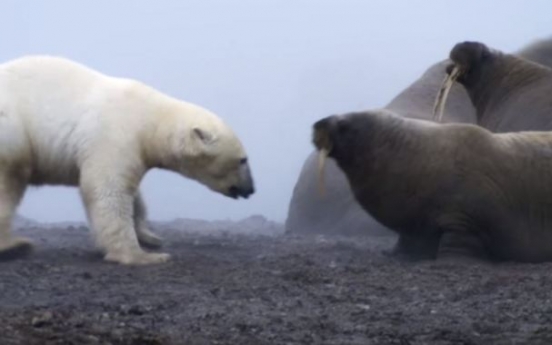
[11, 191]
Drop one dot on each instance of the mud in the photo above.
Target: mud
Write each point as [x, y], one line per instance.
[228, 288]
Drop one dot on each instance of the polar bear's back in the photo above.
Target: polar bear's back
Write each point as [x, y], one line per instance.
[49, 106]
[39, 63]
[38, 83]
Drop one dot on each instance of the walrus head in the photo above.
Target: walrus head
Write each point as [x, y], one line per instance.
[467, 59]
[346, 138]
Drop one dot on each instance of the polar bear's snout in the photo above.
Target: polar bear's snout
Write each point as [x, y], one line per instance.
[245, 186]
[236, 192]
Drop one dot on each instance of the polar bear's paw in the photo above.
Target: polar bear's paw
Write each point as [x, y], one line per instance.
[138, 258]
[16, 247]
[148, 239]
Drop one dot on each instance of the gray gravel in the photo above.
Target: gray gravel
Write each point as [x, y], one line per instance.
[257, 286]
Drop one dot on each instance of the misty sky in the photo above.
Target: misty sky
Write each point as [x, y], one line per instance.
[270, 68]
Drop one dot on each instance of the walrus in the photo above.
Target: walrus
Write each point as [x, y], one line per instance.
[337, 212]
[508, 92]
[449, 190]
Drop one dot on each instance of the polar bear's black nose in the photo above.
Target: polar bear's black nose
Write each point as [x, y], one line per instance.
[233, 192]
[247, 192]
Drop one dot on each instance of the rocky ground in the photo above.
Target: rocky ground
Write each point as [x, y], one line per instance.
[257, 286]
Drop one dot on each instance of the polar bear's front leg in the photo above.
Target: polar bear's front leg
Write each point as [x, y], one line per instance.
[12, 189]
[145, 236]
[109, 204]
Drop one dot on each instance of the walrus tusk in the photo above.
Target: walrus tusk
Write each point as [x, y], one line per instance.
[442, 95]
[322, 155]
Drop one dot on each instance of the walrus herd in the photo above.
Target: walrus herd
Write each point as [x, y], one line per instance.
[478, 188]
[337, 212]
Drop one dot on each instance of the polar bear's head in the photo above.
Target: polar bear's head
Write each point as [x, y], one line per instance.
[221, 163]
[205, 149]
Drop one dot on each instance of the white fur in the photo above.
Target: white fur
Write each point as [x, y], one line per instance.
[63, 123]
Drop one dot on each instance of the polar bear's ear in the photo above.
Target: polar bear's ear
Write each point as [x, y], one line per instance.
[205, 137]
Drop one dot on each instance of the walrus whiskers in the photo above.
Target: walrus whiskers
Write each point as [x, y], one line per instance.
[322, 155]
[442, 95]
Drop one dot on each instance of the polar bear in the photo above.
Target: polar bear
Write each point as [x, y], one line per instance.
[63, 123]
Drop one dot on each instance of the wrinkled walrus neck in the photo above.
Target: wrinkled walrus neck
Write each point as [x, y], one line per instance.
[396, 145]
[500, 81]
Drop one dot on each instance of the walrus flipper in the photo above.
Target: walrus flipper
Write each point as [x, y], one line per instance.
[415, 248]
[462, 245]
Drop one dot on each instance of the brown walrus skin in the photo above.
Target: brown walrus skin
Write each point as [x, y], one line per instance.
[447, 189]
[508, 92]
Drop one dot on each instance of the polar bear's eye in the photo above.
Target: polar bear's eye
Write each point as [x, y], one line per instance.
[243, 161]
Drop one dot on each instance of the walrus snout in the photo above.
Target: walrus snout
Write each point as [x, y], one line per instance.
[449, 68]
[322, 132]
[321, 138]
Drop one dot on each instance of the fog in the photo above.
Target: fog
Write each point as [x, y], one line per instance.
[270, 68]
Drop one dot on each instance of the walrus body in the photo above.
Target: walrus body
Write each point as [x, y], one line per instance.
[451, 189]
[337, 212]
